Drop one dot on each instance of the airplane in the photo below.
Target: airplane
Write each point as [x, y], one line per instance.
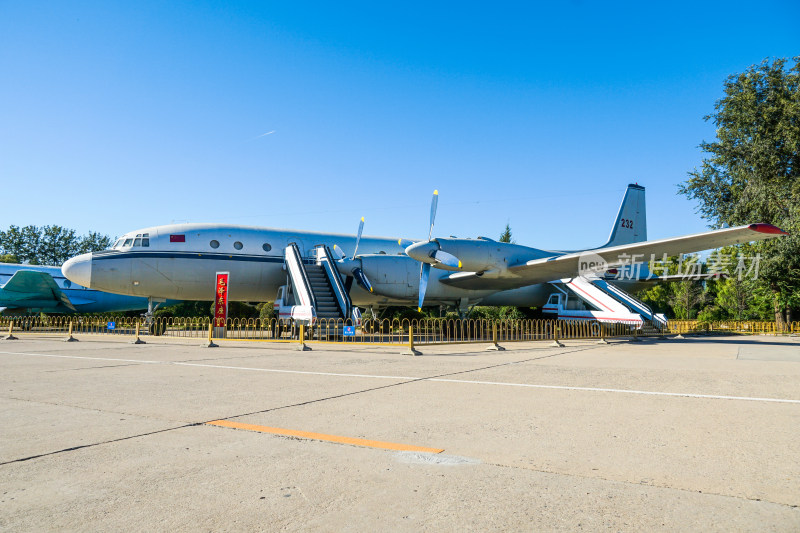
[179, 261]
[27, 288]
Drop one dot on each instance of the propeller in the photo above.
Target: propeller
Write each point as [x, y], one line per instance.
[424, 272]
[430, 253]
[357, 273]
[358, 237]
[339, 252]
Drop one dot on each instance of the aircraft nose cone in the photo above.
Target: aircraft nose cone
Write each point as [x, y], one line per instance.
[421, 251]
[79, 270]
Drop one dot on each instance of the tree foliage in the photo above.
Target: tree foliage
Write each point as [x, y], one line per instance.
[506, 235]
[48, 245]
[752, 170]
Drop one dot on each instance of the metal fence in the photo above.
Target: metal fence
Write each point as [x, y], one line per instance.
[371, 332]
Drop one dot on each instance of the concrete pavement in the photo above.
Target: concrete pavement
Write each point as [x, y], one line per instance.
[661, 435]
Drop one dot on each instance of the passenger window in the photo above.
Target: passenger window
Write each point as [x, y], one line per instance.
[266, 247]
[237, 245]
[214, 244]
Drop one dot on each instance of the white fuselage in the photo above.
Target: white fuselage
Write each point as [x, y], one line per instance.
[180, 262]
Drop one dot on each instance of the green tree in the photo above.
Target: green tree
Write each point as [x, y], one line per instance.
[8, 258]
[506, 235]
[93, 242]
[687, 297]
[50, 245]
[752, 171]
[56, 245]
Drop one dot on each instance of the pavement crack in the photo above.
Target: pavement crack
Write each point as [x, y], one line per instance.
[405, 382]
[74, 448]
[656, 486]
[93, 367]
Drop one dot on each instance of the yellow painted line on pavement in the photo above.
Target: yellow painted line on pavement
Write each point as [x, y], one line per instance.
[321, 436]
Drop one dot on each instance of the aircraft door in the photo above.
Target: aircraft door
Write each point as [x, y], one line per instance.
[305, 252]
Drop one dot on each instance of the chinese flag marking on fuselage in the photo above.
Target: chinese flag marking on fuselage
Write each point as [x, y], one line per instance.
[221, 300]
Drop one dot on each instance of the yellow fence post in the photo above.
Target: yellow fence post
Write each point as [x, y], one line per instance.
[70, 338]
[11, 336]
[602, 334]
[211, 343]
[635, 337]
[411, 350]
[301, 337]
[137, 340]
[495, 347]
[556, 329]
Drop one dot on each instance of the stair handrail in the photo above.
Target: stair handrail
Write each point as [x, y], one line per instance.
[631, 298]
[297, 264]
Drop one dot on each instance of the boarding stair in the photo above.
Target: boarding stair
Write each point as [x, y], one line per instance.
[658, 320]
[592, 298]
[318, 286]
[326, 305]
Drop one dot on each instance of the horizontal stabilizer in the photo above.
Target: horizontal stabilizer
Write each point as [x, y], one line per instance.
[28, 285]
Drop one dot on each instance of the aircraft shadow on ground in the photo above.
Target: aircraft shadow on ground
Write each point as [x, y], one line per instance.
[744, 340]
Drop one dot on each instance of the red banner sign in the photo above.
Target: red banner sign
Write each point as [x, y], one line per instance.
[221, 300]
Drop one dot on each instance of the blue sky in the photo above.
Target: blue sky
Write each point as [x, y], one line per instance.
[116, 116]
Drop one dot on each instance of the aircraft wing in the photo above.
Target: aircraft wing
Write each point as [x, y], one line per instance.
[567, 265]
[26, 286]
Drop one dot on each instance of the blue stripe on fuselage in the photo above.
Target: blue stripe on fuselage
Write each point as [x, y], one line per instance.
[99, 256]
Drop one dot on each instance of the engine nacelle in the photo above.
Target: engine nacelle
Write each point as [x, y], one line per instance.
[393, 276]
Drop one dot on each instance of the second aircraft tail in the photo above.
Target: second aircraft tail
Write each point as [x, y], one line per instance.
[631, 223]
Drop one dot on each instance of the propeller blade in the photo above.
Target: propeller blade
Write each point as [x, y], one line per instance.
[434, 203]
[339, 252]
[362, 279]
[447, 259]
[404, 242]
[358, 238]
[424, 272]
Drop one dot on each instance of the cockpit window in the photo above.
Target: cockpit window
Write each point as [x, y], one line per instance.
[141, 239]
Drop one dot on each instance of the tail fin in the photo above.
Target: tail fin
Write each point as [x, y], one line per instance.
[631, 223]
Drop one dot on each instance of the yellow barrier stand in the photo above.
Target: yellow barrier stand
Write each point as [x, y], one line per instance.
[11, 336]
[495, 347]
[556, 343]
[635, 337]
[302, 338]
[70, 338]
[138, 340]
[411, 350]
[211, 343]
[602, 334]
[679, 335]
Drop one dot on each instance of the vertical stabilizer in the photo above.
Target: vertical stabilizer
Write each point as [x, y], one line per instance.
[631, 223]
